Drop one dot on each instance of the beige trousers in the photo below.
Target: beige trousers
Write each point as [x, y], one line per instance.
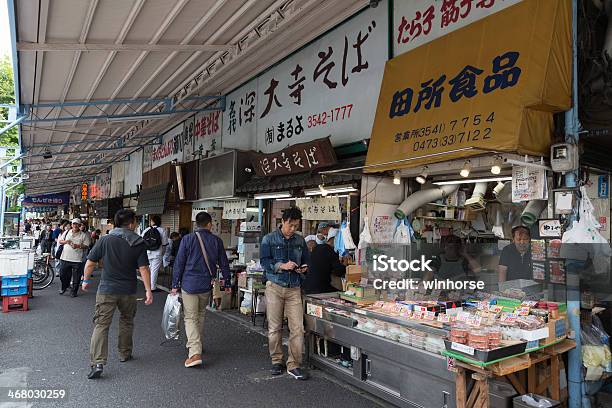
[194, 308]
[103, 317]
[282, 302]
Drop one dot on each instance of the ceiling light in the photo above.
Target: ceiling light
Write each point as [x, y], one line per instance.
[465, 171]
[280, 194]
[397, 177]
[329, 190]
[471, 181]
[422, 178]
[137, 117]
[497, 163]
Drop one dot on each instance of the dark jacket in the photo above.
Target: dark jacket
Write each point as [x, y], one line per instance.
[324, 262]
[190, 272]
[276, 249]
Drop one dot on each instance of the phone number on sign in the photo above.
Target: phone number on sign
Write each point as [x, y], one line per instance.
[439, 135]
[12, 394]
[333, 115]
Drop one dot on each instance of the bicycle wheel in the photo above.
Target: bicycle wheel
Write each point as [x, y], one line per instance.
[42, 276]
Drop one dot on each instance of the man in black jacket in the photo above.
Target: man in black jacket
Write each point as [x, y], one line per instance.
[324, 262]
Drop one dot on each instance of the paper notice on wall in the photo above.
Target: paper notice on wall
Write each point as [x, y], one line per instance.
[234, 209]
[528, 183]
[320, 208]
[383, 228]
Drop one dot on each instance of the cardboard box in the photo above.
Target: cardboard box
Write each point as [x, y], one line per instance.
[557, 329]
[353, 273]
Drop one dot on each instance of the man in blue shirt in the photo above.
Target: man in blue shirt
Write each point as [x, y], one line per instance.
[284, 255]
[195, 268]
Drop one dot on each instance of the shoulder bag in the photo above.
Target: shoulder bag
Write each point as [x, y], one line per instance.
[217, 285]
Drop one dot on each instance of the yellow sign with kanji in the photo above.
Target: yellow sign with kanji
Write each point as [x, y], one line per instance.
[84, 191]
[491, 86]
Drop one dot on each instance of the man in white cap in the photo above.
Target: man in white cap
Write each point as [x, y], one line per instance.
[324, 263]
[311, 242]
[75, 244]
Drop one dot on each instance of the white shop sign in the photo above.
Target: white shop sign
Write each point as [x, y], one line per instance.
[418, 22]
[207, 132]
[171, 148]
[528, 183]
[320, 208]
[234, 209]
[328, 88]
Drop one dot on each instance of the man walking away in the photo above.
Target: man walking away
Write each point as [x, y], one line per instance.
[195, 269]
[75, 244]
[122, 253]
[156, 240]
[284, 255]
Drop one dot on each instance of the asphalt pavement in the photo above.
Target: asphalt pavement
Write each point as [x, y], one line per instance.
[48, 347]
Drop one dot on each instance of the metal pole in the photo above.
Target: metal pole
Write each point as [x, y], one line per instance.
[2, 208]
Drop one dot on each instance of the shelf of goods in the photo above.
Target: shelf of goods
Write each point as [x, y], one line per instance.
[396, 359]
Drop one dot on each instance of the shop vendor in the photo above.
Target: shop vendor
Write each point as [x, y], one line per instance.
[515, 259]
[454, 263]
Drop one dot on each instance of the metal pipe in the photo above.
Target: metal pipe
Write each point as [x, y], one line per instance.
[12, 124]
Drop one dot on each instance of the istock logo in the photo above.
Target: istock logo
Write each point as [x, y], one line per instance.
[383, 263]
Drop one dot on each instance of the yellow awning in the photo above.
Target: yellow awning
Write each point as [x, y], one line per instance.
[491, 86]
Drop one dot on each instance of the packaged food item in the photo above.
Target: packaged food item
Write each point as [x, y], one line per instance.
[553, 310]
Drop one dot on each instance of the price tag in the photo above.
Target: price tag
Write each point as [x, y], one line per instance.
[314, 310]
[417, 315]
[429, 316]
[379, 304]
[361, 312]
[463, 316]
[523, 311]
[483, 305]
[496, 308]
[508, 317]
[450, 363]
[444, 318]
[462, 348]
[474, 321]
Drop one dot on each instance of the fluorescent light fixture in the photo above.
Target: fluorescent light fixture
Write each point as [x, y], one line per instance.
[280, 194]
[138, 117]
[422, 178]
[540, 165]
[472, 181]
[465, 171]
[397, 177]
[497, 163]
[330, 190]
[322, 190]
[254, 209]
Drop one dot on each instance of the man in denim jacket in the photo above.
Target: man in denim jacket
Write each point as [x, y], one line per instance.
[284, 255]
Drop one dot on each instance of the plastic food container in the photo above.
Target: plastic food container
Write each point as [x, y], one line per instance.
[478, 336]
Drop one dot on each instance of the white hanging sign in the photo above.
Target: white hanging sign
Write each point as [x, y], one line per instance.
[528, 183]
[320, 208]
[234, 209]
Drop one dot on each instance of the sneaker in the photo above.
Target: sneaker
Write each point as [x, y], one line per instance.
[96, 371]
[277, 369]
[123, 359]
[193, 361]
[298, 374]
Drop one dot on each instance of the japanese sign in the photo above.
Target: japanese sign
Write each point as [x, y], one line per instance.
[320, 208]
[84, 191]
[171, 148]
[46, 200]
[207, 132]
[188, 137]
[528, 183]
[550, 228]
[477, 89]
[418, 22]
[295, 159]
[234, 209]
[100, 188]
[324, 89]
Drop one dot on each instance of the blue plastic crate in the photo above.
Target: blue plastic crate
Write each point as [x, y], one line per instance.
[29, 273]
[14, 291]
[14, 281]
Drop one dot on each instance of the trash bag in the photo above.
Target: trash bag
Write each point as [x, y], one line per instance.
[171, 317]
[365, 239]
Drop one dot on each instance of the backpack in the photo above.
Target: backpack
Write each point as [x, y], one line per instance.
[152, 239]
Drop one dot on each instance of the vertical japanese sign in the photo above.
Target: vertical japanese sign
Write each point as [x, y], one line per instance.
[207, 132]
[320, 208]
[234, 209]
[84, 192]
[418, 22]
[326, 88]
[188, 140]
[100, 189]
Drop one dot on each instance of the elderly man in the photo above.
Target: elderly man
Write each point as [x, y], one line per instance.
[75, 244]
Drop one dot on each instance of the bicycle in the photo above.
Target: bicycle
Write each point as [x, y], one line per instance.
[43, 273]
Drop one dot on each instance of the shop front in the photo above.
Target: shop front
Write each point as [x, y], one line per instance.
[459, 295]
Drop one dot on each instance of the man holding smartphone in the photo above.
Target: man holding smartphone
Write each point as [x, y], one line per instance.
[284, 255]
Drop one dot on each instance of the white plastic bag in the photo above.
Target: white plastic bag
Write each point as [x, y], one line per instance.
[402, 233]
[365, 239]
[346, 236]
[171, 317]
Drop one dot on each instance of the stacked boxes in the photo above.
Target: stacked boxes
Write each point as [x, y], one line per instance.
[15, 270]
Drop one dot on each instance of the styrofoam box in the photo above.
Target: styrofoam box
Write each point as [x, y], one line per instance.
[13, 263]
[531, 335]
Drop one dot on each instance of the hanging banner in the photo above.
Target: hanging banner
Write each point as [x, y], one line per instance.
[418, 22]
[188, 140]
[46, 200]
[324, 89]
[234, 209]
[207, 132]
[298, 158]
[476, 90]
[528, 183]
[100, 189]
[320, 208]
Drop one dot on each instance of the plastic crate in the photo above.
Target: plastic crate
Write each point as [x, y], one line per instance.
[9, 303]
[14, 291]
[30, 273]
[14, 281]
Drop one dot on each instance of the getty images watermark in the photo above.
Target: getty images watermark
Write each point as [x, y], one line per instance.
[384, 263]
